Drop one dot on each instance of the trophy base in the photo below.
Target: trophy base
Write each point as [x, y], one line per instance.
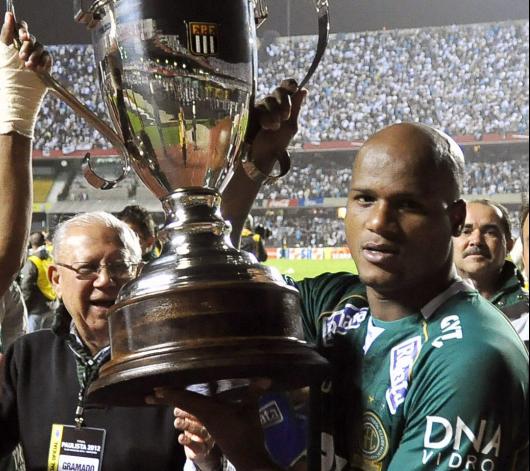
[203, 312]
[224, 368]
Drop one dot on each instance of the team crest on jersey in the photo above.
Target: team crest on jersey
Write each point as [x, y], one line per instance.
[343, 321]
[204, 39]
[402, 358]
[375, 443]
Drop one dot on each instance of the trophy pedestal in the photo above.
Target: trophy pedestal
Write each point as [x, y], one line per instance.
[202, 313]
[232, 331]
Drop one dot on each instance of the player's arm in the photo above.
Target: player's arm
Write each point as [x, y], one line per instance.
[466, 410]
[21, 93]
[277, 117]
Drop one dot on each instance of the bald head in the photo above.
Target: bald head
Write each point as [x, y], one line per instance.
[428, 151]
[404, 208]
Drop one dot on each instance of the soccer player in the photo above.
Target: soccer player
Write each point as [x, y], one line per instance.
[427, 374]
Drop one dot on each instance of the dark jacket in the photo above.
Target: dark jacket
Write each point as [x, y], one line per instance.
[511, 298]
[40, 388]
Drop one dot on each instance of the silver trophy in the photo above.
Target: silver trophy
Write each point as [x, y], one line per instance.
[178, 78]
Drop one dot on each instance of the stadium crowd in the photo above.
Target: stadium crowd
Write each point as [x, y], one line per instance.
[298, 230]
[315, 180]
[58, 127]
[466, 80]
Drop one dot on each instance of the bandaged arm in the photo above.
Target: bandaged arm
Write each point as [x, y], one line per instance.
[21, 94]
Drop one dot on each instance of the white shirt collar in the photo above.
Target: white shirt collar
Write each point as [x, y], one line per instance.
[457, 286]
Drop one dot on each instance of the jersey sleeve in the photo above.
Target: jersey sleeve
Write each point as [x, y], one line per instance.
[320, 295]
[466, 410]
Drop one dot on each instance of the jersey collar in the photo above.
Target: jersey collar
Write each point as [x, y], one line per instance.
[457, 286]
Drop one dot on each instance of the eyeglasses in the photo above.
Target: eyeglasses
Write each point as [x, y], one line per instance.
[119, 270]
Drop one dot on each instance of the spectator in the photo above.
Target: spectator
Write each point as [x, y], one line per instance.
[141, 222]
[480, 256]
[48, 372]
[37, 290]
[252, 242]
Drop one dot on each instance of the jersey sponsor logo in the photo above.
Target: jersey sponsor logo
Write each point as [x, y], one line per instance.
[270, 415]
[451, 330]
[204, 39]
[402, 358]
[343, 321]
[459, 446]
[375, 443]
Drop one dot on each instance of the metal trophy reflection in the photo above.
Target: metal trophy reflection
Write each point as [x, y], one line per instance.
[178, 79]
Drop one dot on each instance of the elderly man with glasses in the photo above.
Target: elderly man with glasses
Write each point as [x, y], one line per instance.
[47, 372]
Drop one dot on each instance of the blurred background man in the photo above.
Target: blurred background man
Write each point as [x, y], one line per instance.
[252, 239]
[481, 253]
[140, 221]
[37, 289]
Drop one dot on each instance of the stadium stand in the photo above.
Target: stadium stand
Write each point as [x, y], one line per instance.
[466, 80]
[469, 80]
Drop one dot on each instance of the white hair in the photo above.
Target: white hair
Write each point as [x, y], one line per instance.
[128, 238]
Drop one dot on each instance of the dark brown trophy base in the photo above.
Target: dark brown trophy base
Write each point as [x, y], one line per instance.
[204, 334]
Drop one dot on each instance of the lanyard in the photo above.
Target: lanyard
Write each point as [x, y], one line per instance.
[87, 371]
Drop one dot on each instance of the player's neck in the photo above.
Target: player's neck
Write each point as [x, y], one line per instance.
[393, 305]
[486, 285]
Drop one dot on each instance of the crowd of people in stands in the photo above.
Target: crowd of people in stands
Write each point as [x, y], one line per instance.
[466, 80]
[298, 230]
[325, 178]
[311, 181]
[58, 127]
[484, 178]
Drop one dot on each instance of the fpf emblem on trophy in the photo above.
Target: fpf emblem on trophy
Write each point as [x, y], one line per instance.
[204, 39]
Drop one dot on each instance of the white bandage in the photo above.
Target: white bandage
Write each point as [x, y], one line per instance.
[21, 94]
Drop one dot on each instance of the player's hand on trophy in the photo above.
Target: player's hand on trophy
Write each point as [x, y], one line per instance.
[31, 54]
[198, 444]
[274, 122]
[235, 427]
[20, 56]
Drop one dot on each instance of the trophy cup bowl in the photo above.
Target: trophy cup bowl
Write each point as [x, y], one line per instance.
[178, 79]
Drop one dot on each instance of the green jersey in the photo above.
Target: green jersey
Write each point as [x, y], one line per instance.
[445, 388]
[511, 298]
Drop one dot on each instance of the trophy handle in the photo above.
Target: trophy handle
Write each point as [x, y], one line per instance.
[322, 7]
[80, 109]
[260, 14]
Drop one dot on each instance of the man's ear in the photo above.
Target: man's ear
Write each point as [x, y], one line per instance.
[54, 276]
[509, 244]
[457, 215]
